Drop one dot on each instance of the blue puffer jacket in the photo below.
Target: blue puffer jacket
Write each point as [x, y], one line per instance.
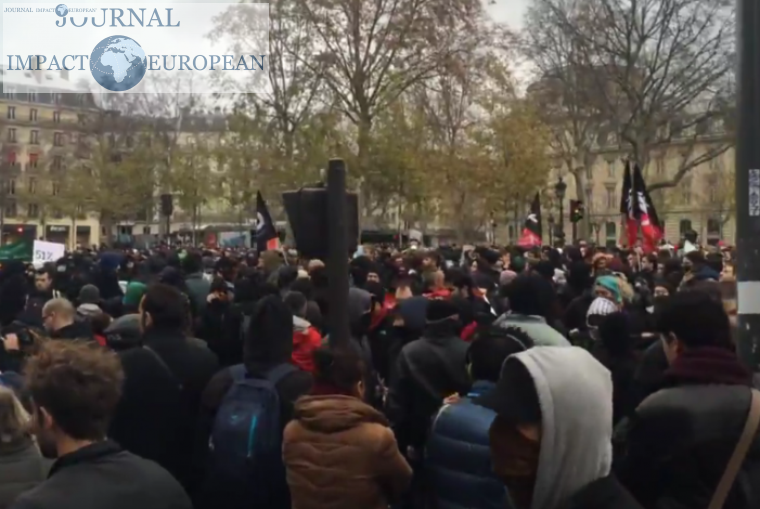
[458, 456]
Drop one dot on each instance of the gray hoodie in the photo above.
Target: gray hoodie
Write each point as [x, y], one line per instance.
[575, 394]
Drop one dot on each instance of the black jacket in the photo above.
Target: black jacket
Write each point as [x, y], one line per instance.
[427, 371]
[148, 419]
[102, 475]
[604, 493]
[679, 443]
[80, 329]
[192, 365]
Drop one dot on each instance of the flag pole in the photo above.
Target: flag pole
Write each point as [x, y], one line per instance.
[748, 182]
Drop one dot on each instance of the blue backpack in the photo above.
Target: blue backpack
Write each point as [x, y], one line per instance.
[246, 440]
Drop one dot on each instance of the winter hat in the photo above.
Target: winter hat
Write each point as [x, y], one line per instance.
[506, 277]
[599, 307]
[134, 293]
[611, 284]
[89, 294]
[439, 310]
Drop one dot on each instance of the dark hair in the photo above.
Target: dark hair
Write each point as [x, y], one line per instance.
[78, 383]
[192, 263]
[305, 286]
[45, 270]
[286, 276]
[296, 302]
[338, 368]
[218, 284]
[697, 319]
[491, 347]
[530, 294]
[166, 305]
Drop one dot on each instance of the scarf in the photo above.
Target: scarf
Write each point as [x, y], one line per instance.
[707, 365]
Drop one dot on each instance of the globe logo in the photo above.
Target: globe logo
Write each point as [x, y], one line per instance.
[61, 10]
[118, 63]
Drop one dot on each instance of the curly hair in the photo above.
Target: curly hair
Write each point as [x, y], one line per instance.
[78, 383]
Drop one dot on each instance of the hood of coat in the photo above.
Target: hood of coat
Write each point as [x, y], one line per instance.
[575, 395]
[269, 338]
[333, 413]
[300, 324]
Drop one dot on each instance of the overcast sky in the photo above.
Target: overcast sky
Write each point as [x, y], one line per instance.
[509, 11]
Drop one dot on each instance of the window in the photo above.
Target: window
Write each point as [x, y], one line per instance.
[611, 198]
[32, 96]
[33, 210]
[33, 160]
[589, 192]
[9, 92]
[611, 168]
[11, 186]
[511, 231]
[146, 230]
[56, 188]
[57, 214]
[12, 158]
[686, 191]
[32, 185]
[11, 134]
[57, 162]
[11, 210]
[34, 137]
[80, 211]
[610, 230]
[589, 172]
[58, 139]
[57, 117]
[713, 228]
[660, 165]
[684, 227]
[11, 112]
[33, 115]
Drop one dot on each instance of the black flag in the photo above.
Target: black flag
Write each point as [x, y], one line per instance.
[531, 234]
[265, 230]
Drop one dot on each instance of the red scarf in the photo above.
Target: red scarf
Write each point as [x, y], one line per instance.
[708, 365]
[441, 293]
[378, 317]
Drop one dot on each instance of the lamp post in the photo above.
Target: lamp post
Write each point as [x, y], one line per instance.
[559, 190]
[551, 229]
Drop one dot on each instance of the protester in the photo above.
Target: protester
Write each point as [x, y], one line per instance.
[457, 454]
[22, 466]
[89, 300]
[547, 452]
[339, 452]
[306, 338]
[680, 438]
[60, 320]
[75, 388]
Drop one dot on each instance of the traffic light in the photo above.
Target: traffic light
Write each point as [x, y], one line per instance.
[576, 210]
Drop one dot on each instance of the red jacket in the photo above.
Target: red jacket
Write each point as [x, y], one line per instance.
[306, 339]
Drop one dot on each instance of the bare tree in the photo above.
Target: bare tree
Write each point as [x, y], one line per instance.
[662, 70]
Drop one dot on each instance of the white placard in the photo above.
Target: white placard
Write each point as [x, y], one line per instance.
[43, 252]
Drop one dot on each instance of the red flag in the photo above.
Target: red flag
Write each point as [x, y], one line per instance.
[627, 208]
[531, 234]
[651, 228]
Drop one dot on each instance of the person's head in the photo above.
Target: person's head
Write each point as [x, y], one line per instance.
[693, 319]
[460, 282]
[57, 314]
[14, 419]
[192, 263]
[530, 294]
[600, 308]
[661, 289]
[75, 387]
[296, 302]
[163, 307]
[608, 287]
[536, 447]
[490, 349]
[269, 338]
[89, 294]
[338, 371]
[43, 280]
[378, 295]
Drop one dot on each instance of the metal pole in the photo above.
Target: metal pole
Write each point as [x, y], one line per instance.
[337, 259]
[748, 182]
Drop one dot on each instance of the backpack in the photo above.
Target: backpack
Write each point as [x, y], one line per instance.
[246, 440]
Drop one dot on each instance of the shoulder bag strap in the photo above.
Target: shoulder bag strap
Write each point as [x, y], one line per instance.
[740, 452]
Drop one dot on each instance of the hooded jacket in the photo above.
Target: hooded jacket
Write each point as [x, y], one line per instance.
[306, 339]
[340, 453]
[576, 448]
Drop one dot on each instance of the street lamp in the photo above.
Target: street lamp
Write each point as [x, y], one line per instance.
[551, 229]
[559, 190]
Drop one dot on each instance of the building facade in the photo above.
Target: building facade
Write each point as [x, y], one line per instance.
[41, 119]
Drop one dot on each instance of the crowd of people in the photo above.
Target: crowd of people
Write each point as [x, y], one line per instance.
[483, 378]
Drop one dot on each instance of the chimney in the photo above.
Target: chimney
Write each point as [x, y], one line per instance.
[65, 74]
[38, 74]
